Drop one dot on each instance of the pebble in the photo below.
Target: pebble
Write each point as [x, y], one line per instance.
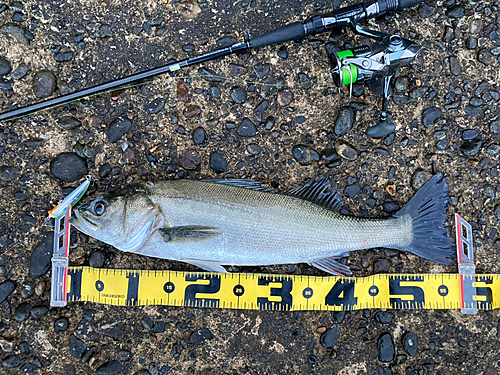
[69, 122]
[485, 56]
[471, 42]
[199, 136]
[284, 97]
[312, 359]
[338, 316]
[471, 148]
[11, 361]
[384, 317]
[430, 116]
[418, 92]
[462, 342]
[190, 160]
[5, 66]
[209, 75]
[344, 122]
[97, 259]
[22, 311]
[472, 111]
[346, 151]
[6, 288]
[44, 83]
[16, 32]
[192, 111]
[225, 42]
[469, 134]
[262, 107]
[305, 81]
[198, 337]
[105, 31]
[330, 337]
[124, 355]
[385, 347]
[215, 92]
[497, 214]
[77, 347]
[41, 256]
[410, 343]
[6, 345]
[419, 178]
[61, 325]
[352, 191]
[158, 327]
[218, 163]
[254, 149]
[495, 127]
[68, 167]
[456, 12]
[110, 368]
[305, 155]
[63, 56]
[454, 66]
[282, 52]
[239, 95]
[425, 11]
[390, 207]
[381, 265]
[262, 70]
[155, 106]
[118, 128]
[237, 70]
[401, 83]
[246, 128]
[6, 84]
[9, 173]
[38, 312]
[183, 91]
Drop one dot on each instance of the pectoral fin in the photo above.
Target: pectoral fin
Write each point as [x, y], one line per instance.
[331, 265]
[189, 233]
[207, 265]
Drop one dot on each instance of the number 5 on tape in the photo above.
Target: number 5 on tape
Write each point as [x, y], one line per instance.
[466, 267]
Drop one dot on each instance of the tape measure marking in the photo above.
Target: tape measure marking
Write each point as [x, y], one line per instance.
[279, 292]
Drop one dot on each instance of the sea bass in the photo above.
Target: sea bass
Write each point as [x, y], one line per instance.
[239, 222]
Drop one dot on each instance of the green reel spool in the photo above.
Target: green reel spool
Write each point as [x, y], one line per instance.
[346, 77]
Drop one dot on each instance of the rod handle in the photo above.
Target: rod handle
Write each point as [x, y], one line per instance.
[293, 31]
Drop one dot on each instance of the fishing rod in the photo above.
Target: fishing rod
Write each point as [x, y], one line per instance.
[348, 66]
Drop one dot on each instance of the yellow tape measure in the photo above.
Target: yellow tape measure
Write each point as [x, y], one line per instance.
[280, 292]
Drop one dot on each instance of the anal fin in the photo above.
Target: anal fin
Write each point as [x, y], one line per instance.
[207, 265]
[331, 265]
[189, 233]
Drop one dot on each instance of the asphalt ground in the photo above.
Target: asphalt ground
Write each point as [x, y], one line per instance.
[273, 115]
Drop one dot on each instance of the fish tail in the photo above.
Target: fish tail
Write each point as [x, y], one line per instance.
[427, 209]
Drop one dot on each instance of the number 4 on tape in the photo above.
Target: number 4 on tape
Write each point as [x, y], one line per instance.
[466, 267]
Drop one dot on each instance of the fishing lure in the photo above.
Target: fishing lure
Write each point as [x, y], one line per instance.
[60, 209]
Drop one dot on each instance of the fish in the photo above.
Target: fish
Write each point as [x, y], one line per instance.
[217, 223]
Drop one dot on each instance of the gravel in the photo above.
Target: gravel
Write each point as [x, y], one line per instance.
[272, 115]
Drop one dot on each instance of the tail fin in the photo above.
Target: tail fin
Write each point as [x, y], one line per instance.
[427, 209]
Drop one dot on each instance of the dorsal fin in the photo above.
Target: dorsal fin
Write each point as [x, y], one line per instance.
[319, 192]
[242, 183]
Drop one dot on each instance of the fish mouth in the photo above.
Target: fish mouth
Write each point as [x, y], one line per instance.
[82, 220]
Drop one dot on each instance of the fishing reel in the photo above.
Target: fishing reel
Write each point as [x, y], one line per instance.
[380, 60]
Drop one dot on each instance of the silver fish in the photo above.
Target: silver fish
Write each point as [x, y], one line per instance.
[238, 222]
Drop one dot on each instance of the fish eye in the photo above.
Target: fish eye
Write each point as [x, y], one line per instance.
[99, 208]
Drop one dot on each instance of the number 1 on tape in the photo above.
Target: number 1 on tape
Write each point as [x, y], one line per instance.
[466, 266]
